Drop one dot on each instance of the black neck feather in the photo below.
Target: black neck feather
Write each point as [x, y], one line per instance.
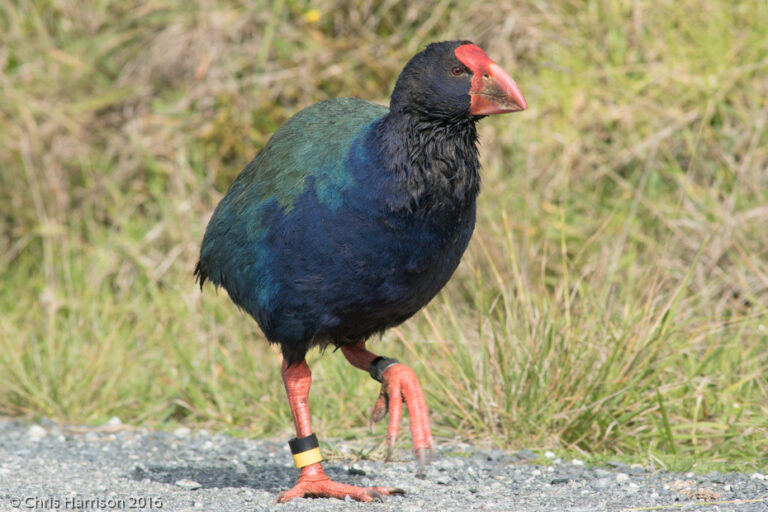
[433, 161]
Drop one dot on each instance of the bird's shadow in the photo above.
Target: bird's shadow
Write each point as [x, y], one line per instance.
[268, 477]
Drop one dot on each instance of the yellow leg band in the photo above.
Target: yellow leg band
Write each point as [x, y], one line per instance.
[306, 458]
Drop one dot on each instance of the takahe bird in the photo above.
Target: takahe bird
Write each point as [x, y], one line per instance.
[349, 221]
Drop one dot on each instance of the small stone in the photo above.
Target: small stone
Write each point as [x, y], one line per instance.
[526, 454]
[758, 476]
[189, 485]
[356, 470]
[182, 432]
[36, 433]
[114, 421]
[550, 469]
[560, 480]
[240, 468]
[536, 472]
[577, 462]
[519, 476]
[602, 483]
[622, 477]
[715, 476]
[549, 455]
[443, 480]
[495, 455]
[620, 466]
[601, 473]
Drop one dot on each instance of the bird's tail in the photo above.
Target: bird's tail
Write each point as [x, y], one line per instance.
[200, 274]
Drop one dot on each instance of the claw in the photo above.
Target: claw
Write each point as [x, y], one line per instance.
[431, 451]
[376, 495]
[381, 407]
[421, 454]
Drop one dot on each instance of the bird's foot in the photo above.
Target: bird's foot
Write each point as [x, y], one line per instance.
[399, 384]
[314, 483]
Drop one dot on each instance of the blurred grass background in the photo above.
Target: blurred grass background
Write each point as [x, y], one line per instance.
[614, 299]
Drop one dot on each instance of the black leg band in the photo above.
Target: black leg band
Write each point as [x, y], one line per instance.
[379, 364]
[304, 444]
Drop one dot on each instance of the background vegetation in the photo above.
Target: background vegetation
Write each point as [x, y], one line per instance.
[614, 299]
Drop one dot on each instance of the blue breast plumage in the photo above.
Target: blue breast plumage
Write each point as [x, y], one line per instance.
[319, 238]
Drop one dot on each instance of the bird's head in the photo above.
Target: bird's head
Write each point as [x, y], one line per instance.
[455, 79]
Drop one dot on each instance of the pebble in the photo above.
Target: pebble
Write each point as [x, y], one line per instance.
[189, 485]
[622, 477]
[526, 454]
[114, 421]
[182, 432]
[495, 455]
[715, 476]
[36, 433]
[577, 462]
[549, 455]
[602, 483]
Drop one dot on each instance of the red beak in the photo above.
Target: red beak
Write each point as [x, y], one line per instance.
[493, 90]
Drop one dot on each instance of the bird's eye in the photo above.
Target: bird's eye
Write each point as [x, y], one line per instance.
[457, 71]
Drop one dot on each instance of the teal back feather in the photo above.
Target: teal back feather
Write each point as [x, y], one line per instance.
[320, 135]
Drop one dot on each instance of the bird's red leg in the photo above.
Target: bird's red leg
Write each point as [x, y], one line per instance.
[313, 482]
[398, 383]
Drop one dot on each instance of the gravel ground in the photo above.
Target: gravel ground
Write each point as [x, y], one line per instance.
[50, 467]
